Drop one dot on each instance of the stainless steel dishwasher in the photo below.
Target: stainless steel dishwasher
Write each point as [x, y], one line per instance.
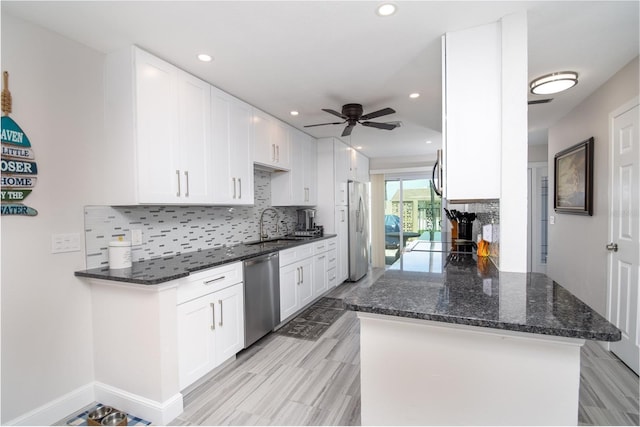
[261, 296]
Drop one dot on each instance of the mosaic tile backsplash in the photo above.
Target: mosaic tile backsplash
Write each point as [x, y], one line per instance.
[171, 230]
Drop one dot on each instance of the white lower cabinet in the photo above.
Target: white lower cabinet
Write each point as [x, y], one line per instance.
[210, 327]
[306, 273]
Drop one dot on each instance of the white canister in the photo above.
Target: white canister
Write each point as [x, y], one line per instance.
[119, 254]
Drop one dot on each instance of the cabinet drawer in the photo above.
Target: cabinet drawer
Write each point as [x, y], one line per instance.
[298, 253]
[332, 278]
[320, 247]
[332, 243]
[332, 259]
[207, 281]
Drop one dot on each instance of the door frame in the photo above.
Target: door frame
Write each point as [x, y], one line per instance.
[534, 217]
[615, 113]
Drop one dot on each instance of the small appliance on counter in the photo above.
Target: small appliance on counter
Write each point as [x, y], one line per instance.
[306, 226]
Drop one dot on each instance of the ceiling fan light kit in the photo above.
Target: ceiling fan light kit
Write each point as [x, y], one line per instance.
[554, 83]
[352, 115]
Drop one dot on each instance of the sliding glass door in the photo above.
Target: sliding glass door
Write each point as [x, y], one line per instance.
[412, 211]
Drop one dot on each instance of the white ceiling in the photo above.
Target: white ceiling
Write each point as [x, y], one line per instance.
[308, 55]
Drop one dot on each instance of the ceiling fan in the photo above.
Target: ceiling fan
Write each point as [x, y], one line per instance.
[352, 114]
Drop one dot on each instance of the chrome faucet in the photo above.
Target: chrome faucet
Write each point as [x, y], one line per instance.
[264, 235]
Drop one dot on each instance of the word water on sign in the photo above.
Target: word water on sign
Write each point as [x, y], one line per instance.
[18, 169]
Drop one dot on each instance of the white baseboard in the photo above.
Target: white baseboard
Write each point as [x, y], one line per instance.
[57, 409]
[159, 413]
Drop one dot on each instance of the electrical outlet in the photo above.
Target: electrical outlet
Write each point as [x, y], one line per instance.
[136, 237]
[65, 243]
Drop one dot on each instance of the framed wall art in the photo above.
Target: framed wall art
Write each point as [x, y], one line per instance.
[573, 190]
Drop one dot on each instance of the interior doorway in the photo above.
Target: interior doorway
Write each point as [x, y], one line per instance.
[537, 231]
[412, 211]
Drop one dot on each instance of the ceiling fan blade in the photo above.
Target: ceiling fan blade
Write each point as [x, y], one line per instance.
[347, 130]
[322, 124]
[386, 126]
[335, 113]
[378, 113]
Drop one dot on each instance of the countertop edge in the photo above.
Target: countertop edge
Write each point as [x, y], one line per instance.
[540, 330]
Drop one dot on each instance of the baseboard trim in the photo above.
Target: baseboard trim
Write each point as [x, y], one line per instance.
[57, 409]
[159, 413]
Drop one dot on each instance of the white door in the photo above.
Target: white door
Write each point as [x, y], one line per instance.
[624, 263]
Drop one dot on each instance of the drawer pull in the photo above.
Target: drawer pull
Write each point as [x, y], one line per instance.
[321, 257]
[208, 282]
[332, 259]
[213, 316]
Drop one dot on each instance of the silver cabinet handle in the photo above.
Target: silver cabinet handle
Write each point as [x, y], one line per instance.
[278, 153]
[321, 257]
[298, 279]
[220, 302]
[342, 213]
[208, 282]
[273, 152]
[239, 188]
[213, 316]
[178, 174]
[302, 274]
[186, 175]
[332, 259]
[234, 187]
[612, 247]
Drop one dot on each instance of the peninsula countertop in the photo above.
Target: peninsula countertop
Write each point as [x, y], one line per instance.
[464, 289]
[161, 270]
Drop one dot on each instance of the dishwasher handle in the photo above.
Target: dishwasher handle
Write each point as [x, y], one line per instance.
[260, 259]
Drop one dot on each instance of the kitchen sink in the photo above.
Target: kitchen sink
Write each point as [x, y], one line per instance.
[280, 241]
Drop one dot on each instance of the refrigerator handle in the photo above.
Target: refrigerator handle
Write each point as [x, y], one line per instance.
[359, 221]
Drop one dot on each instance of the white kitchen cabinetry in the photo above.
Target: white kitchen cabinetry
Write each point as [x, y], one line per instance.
[341, 158]
[359, 166]
[472, 116]
[158, 141]
[210, 321]
[298, 186]
[271, 141]
[233, 149]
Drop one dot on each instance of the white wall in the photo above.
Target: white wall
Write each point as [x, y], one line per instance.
[47, 351]
[537, 153]
[577, 255]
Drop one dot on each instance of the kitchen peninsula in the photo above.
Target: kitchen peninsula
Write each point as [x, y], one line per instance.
[462, 343]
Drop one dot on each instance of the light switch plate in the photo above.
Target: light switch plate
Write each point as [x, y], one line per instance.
[136, 237]
[69, 242]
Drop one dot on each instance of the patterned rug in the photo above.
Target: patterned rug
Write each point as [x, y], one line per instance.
[81, 418]
[315, 320]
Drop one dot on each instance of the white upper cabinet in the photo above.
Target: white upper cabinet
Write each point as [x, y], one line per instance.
[232, 149]
[271, 141]
[342, 171]
[298, 186]
[359, 166]
[472, 112]
[158, 139]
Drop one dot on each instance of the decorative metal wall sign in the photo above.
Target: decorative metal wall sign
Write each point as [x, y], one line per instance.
[17, 162]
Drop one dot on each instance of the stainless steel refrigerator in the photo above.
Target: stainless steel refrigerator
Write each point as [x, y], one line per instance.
[358, 202]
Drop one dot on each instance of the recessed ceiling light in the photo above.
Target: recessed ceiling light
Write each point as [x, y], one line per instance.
[554, 83]
[205, 58]
[414, 95]
[429, 142]
[359, 147]
[294, 113]
[386, 9]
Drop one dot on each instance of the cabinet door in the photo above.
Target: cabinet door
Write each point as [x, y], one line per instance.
[320, 282]
[362, 167]
[194, 118]
[229, 322]
[289, 281]
[196, 337]
[305, 287]
[241, 160]
[342, 251]
[264, 151]
[342, 167]
[158, 151]
[232, 160]
[280, 137]
[310, 172]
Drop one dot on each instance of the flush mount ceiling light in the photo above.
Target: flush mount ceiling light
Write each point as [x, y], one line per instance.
[386, 9]
[204, 57]
[554, 83]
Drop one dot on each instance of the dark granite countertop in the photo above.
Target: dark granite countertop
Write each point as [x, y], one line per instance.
[462, 289]
[161, 270]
